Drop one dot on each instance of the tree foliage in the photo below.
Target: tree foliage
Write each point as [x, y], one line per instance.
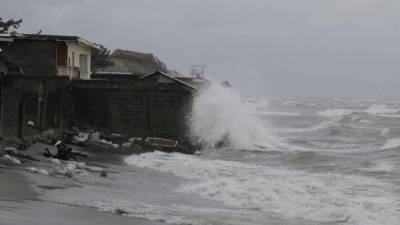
[5, 26]
[101, 58]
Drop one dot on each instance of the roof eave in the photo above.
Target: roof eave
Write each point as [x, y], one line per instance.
[87, 43]
[173, 78]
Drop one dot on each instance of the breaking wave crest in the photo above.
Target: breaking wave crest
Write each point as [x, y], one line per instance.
[335, 112]
[381, 109]
[219, 115]
[392, 143]
[378, 110]
[295, 194]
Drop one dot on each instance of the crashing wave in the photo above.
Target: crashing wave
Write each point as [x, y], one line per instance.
[292, 193]
[221, 118]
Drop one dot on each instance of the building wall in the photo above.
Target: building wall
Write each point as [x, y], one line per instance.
[3, 68]
[139, 110]
[34, 57]
[78, 50]
[33, 98]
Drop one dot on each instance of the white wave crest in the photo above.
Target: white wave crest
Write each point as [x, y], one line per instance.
[381, 109]
[321, 126]
[378, 110]
[273, 113]
[321, 197]
[219, 114]
[392, 143]
[335, 112]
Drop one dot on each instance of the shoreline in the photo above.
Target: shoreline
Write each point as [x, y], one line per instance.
[20, 201]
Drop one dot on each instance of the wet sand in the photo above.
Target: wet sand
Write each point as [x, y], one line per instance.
[20, 203]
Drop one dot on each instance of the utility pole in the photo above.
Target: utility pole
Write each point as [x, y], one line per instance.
[198, 71]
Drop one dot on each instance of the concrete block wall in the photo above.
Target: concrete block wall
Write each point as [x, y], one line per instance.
[139, 110]
[34, 57]
[31, 98]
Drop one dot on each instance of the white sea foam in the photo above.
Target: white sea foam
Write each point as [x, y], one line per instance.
[335, 112]
[378, 110]
[392, 143]
[290, 103]
[381, 109]
[273, 113]
[385, 131]
[321, 197]
[321, 126]
[382, 166]
[219, 113]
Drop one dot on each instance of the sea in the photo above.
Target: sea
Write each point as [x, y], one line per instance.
[283, 161]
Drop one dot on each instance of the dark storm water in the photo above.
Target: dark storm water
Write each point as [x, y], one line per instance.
[323, 161]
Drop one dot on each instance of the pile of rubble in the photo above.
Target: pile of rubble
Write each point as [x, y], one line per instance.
[67, 169]
[51, 166]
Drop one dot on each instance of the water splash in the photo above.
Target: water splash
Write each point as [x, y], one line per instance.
[220, 116]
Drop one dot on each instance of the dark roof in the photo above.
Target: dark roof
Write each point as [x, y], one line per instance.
[197, 82]
[45, 37]
[159, 73]
[136, 63]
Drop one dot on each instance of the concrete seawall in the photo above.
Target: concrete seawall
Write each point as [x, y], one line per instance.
[134, 108]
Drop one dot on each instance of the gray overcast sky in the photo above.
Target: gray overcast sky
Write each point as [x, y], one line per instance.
[343, 48]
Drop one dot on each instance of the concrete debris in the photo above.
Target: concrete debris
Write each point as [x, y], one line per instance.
[10, 150]
[103, 174]
[120, 212]
[95, 136]
[31, 169]
[39, 171]
[81, 165]
[135, 139]
[103, 141]
[82, 137]
[71, 169]
[11, 159]
[30, 124]
[55, 161]
[127, 145]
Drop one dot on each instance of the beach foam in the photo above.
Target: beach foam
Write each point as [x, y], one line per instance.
[375, 109]
[326, 198]
[335, 112]
[381, 109]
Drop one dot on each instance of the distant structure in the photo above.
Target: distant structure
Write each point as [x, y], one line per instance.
[132, 63]
[198, 71]
[46, 55]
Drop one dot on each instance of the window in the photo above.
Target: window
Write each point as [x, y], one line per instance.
[83, 63]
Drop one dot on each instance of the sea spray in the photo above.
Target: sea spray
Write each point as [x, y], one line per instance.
[219, 115]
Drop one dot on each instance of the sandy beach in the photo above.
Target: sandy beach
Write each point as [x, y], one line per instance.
[20, 202]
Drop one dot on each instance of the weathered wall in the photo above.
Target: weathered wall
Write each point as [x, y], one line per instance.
[140, 109]
[34, 57]
[33, 98]
[3, 68]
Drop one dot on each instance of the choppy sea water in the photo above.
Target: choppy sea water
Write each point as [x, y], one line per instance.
[292, 161]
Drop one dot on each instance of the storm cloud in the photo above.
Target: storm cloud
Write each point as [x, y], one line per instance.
[343, 48]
